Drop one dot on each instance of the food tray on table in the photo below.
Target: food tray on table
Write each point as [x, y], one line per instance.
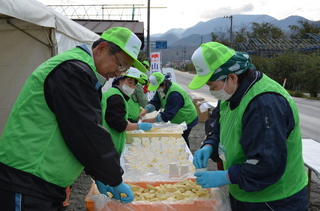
[181, 198]
[169, 131]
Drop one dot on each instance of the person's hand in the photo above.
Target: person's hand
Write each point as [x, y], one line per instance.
[123, 188]
[143, 113]
[144, 126]
[212, 179]
[150, 120]
[201, 156]
[103, 189]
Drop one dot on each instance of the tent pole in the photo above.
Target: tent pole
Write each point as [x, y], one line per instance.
[48, 45]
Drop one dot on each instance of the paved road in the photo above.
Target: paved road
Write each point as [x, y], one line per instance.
[309, 110]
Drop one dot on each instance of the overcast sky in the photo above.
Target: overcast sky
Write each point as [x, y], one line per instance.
[185, 13]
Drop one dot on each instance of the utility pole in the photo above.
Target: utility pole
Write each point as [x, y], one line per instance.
[184, 55]
[148, 33]
[182, 58]
[201, 40]
[231, 35]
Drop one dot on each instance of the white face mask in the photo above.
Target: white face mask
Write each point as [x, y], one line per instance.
[221, 94]
[160, 90]
[127, 89]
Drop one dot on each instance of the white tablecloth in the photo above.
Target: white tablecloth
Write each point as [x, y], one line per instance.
[131, 176]
[311, 155]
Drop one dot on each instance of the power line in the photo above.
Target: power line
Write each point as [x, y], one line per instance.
[286, 14]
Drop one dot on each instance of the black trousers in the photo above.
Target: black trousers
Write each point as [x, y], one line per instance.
[185, 135]
[296, 202]
[10, 201]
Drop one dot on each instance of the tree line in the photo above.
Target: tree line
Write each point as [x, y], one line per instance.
[296, 70]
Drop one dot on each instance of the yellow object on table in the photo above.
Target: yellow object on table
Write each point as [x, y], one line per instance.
[183, 195]
[175, 132]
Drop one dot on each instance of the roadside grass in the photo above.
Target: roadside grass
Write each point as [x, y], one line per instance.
[302, 95]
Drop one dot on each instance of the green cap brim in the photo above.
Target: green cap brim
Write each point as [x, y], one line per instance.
[198, 81]
[158, 77]
[136, 63]
[206, 60]
[140, 80]
[152, 88]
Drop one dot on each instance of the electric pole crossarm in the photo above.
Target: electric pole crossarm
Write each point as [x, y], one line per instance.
[231, 34]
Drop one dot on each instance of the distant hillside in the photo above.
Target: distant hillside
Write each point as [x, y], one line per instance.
[191, 38]
[171, 38]
[285, 23]
[238, 20]
[175, 31]
[188, 36]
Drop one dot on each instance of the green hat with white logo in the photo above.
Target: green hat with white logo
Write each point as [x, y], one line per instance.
[155, 80]
[207, 59]
[136, 74]
[127, 41]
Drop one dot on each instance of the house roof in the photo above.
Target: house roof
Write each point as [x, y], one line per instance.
[99, 26]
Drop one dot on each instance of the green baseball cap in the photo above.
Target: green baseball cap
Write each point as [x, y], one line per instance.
[136, 74]
[155, 80]
[127, 41]
[207, 59]
[144, 77]
[146, 63]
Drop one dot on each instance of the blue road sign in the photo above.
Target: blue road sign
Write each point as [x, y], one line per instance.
[162, 44]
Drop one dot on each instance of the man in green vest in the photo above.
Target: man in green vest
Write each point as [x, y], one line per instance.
[175, 101]
[256, 135]
[54, 131]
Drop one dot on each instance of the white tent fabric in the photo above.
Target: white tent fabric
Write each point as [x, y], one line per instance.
[31, 33]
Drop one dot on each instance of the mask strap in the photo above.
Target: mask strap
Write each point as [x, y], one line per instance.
[224, 85]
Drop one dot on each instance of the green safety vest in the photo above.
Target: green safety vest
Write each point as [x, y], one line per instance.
[188, 112]
[119, 139]
[32, 130]
[133, 109]
[230, 134]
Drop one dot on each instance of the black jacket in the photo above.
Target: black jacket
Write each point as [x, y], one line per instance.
[72, 95]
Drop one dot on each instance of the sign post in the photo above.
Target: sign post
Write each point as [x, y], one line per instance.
[155, 60]
[161, 44]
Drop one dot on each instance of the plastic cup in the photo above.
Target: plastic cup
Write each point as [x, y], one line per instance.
[184, 169]
[173, 170]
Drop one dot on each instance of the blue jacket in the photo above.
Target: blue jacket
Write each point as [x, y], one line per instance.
[170, 110]
[247, 177]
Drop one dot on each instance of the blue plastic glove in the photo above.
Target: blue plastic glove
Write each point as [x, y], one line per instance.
[146, 126]
[201, 156]
[123, 188]
[103, 189]
[212, 179]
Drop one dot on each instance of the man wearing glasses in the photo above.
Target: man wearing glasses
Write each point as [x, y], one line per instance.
[54, 130]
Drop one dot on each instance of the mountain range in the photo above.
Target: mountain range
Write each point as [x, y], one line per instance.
[181, 43]
[202, 30]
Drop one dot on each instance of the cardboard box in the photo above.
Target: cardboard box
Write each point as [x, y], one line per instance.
[197, 101]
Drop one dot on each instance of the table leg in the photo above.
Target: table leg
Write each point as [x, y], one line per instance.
[309, 184]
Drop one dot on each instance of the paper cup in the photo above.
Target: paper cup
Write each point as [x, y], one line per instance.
[184, 169]
[173, 170]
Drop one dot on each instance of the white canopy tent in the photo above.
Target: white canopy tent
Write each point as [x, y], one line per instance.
[31, 33]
